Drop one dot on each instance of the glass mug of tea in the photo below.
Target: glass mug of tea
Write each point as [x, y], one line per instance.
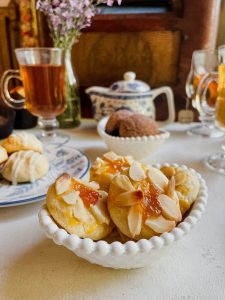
[216, 161]
[42, 73]
[203, 62]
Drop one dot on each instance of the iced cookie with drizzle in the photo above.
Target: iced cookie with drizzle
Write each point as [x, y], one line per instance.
[22, 141]
[107, 167]
[143, 203]
[25, 166]
[79, 207]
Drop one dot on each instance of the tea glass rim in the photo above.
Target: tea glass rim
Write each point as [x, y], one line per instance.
[205, 51]
[51, 49]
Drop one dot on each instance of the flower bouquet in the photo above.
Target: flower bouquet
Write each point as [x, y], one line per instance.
[66, 19]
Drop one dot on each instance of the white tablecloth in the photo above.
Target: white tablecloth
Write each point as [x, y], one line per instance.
[33, 267]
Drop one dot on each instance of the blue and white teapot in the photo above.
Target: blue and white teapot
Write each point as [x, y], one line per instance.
[131, 94]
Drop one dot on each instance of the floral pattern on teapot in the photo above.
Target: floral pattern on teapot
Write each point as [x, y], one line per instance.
[103, 106]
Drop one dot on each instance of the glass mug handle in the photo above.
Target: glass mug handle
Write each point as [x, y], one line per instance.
[202, 89]
[170, 101]
[9, 101]
[189, 85]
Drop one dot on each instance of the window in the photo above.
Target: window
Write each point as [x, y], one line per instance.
[137, 7]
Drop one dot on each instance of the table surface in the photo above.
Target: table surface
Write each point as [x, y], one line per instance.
[33, 267]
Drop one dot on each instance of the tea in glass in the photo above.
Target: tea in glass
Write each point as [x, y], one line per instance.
[203, 63]
[44, 89]
[42, 73]
[220, 104]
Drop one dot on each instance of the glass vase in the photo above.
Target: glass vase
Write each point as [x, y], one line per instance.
[72, 116]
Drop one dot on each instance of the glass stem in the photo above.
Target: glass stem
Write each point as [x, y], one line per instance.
[223, 148]
[48, 127]
[207, 120]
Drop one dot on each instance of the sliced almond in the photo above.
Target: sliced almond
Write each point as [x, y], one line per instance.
[129, 159]
[136, 172]
[134, 219]
[111, 156]
[71, 198]
[175, 197]
[123, 182]
[157, 178]
[168, 171]
[169, 208]
[101, 169]
[62, 183]
[100, 213]
[99, 161]
[80, 212]
[93, 184]
[171, 187]
[171, 192]
[103, 195]
[160, 224]
[129, 198]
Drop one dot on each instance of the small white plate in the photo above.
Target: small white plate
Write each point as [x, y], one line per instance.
[64, 158]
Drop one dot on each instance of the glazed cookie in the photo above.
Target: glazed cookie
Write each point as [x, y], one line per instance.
[22, 141]
[25, 166]
[143, 203]
[79, 207]
[105, 168]
[3, 155]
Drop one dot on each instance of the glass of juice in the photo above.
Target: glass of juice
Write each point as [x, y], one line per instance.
[203, 62]
[216, 161]
[42, 74]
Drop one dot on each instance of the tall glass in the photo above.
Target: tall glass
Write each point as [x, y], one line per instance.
[43, 76]
[203, 62]
[216, 161]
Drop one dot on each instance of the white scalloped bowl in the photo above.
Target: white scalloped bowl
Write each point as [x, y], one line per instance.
[131, 254]
[141, 148]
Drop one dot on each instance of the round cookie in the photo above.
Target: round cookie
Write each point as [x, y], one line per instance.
[105, 168]
[138, 125]
[186, 185]
[113, 124]
[143, 203]
[22, 141]
[3, 155]
[25, 166]
[79, 208]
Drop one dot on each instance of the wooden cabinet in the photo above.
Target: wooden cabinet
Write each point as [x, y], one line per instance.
[156, 44]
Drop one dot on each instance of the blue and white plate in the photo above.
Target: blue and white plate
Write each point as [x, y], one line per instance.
[61, 159]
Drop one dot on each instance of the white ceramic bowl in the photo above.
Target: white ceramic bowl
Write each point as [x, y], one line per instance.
[131, 254]
[140, 148]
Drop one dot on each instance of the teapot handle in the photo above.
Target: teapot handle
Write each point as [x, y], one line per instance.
[170, 100]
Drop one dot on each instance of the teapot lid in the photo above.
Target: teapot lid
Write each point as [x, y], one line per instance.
[130, 85]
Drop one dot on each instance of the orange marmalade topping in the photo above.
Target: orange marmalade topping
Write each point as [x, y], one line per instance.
[116, 165]
[88, 195]
[150, 203]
